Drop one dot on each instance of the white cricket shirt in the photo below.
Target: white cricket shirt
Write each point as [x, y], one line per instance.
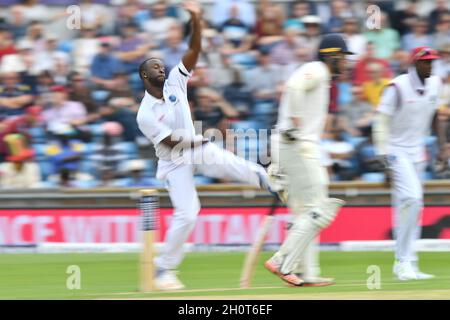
[306, 95]
[160, 118]
[411, 112]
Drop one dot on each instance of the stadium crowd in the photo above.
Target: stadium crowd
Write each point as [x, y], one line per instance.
[69, 97]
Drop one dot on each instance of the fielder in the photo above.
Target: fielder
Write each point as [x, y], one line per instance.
[301, 120]
[164, 117]
[407, 109]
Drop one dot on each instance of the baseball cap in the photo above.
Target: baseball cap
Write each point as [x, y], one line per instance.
[424, 53]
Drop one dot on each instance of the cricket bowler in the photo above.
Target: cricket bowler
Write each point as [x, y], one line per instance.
[164, 117]
[407, 109]
[301, 120]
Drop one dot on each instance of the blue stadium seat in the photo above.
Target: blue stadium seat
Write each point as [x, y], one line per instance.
[201, 180]
[39, 149]
[38, 135]
[88, 166]
[99, 95]
[66, 46]
[373, 177]
[46, 168]
[245, 60]
[128, 148]
[247, 124]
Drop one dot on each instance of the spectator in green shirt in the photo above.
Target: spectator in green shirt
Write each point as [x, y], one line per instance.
[385, 39]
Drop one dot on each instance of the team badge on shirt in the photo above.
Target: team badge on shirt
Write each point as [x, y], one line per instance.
[173, 98]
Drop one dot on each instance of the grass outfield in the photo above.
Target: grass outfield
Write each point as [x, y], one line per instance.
[213, 276]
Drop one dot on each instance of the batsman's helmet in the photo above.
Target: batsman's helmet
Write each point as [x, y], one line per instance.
[331, 44]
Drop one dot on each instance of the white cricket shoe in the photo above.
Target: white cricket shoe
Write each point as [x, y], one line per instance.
[404, 271]
[168, 280]
[421, 275]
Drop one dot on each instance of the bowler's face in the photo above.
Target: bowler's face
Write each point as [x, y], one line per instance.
[424, 68]
[155, 72]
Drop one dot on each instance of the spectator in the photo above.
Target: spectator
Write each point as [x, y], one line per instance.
[234, 29]
[35, 35]
[108, 155]
[200, 78]
[80, 92]
[356, 42]
[441, 67]
[313, 33]
[437, 13]
[405, 20]
[19, 171]
[93, 14]
[63, 111]
[6, 43]
[65, 154]
[222, 10]
[442, 34]
[14, 96]
[134, 170]
[303, 54]
[19, 124]
[299, 9]
[159, 24]
[264, 79]
[132, 12]
[85, 47]
[213, 110]
[269, 24]
[339, 11]
[357, 115]
[341, 153]
[285, 52]
[238, 94]
[174, 47]
[53, 59]
[361, 68]
[399, 63]
[43, 90]
[104, 66]
[132, 48]
[375, 86]
[17, 23]
[418, 37]
[121, 107]
[30, 10]
[385, 39]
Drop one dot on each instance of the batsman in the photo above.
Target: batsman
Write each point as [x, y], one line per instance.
[296, 158]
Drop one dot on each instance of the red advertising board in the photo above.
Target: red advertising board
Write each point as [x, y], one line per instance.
[235, 225]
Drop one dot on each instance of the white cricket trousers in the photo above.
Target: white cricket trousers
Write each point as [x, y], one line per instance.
[216, 163]
[407, 203]
[308, 189]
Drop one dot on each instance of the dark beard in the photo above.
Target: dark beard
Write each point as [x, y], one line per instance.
[157, 83]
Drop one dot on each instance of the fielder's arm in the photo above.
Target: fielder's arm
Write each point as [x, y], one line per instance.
[440, 128]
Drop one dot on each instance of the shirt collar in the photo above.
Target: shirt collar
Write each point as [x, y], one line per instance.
[416, 83]
[153, 100]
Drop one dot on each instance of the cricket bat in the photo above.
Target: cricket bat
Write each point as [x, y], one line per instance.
[251, 258]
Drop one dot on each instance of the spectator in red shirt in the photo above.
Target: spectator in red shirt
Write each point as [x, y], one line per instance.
[19, 124]
[6, 43]
[361, 68]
